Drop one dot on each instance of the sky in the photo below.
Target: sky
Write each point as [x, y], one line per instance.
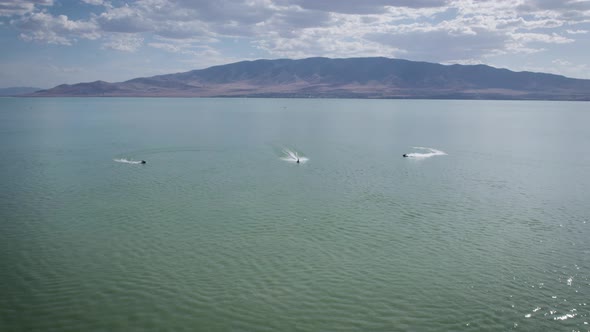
[44, 43]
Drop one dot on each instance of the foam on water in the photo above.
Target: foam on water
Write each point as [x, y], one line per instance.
[127, 161]
[564, 317]
[530, 314]
[293, 156]
[422, 155]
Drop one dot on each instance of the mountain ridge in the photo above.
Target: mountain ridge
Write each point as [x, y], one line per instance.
[319, 77]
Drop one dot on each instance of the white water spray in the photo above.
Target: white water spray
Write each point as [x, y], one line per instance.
[127, 161]
[293, 156]
[430, 153]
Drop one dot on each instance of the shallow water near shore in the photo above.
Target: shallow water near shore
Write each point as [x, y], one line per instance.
[484, 228]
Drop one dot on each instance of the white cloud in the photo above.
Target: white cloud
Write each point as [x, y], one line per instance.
[558, 67]
[561, 62]
[540, 38]
[443, 45]
[48, 37]
[558, 6]
[183, 46]
[433, 30]
[51, 29]
[21, 7]
[459, 31]
[577, 32]
[124, 42]
[182, 30]
[366, 6]
[464, 62]
[169, 47]
[124, 19]
[314, 42]
[95, 2]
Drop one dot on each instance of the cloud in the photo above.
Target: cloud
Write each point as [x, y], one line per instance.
[183, 30]
[123, 42]
[169, 47]
[366, 6]
[51, 29]
[289, 22]
[443, 45]
[183, 46]
[186, 19]
[553, 5]
[94, 2]
[21, 7]
[313, 42]
[540, 38]
[558, 67]
[433, 30]
[124, 19]
[242, 11]
[569, 10]
[561, 62]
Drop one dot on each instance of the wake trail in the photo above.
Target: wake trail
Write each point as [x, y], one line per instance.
[127, 161]
[430, 153]
[293, 156]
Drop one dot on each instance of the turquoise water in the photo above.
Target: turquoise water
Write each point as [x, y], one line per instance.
[218, 232]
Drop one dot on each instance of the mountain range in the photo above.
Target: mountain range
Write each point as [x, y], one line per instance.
[375, 77]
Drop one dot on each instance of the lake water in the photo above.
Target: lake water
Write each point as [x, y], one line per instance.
[219, 231]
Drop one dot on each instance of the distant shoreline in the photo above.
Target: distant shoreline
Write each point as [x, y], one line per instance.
[313, 97]
[357, 78]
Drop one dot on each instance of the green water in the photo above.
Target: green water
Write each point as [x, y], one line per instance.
[218, 233]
